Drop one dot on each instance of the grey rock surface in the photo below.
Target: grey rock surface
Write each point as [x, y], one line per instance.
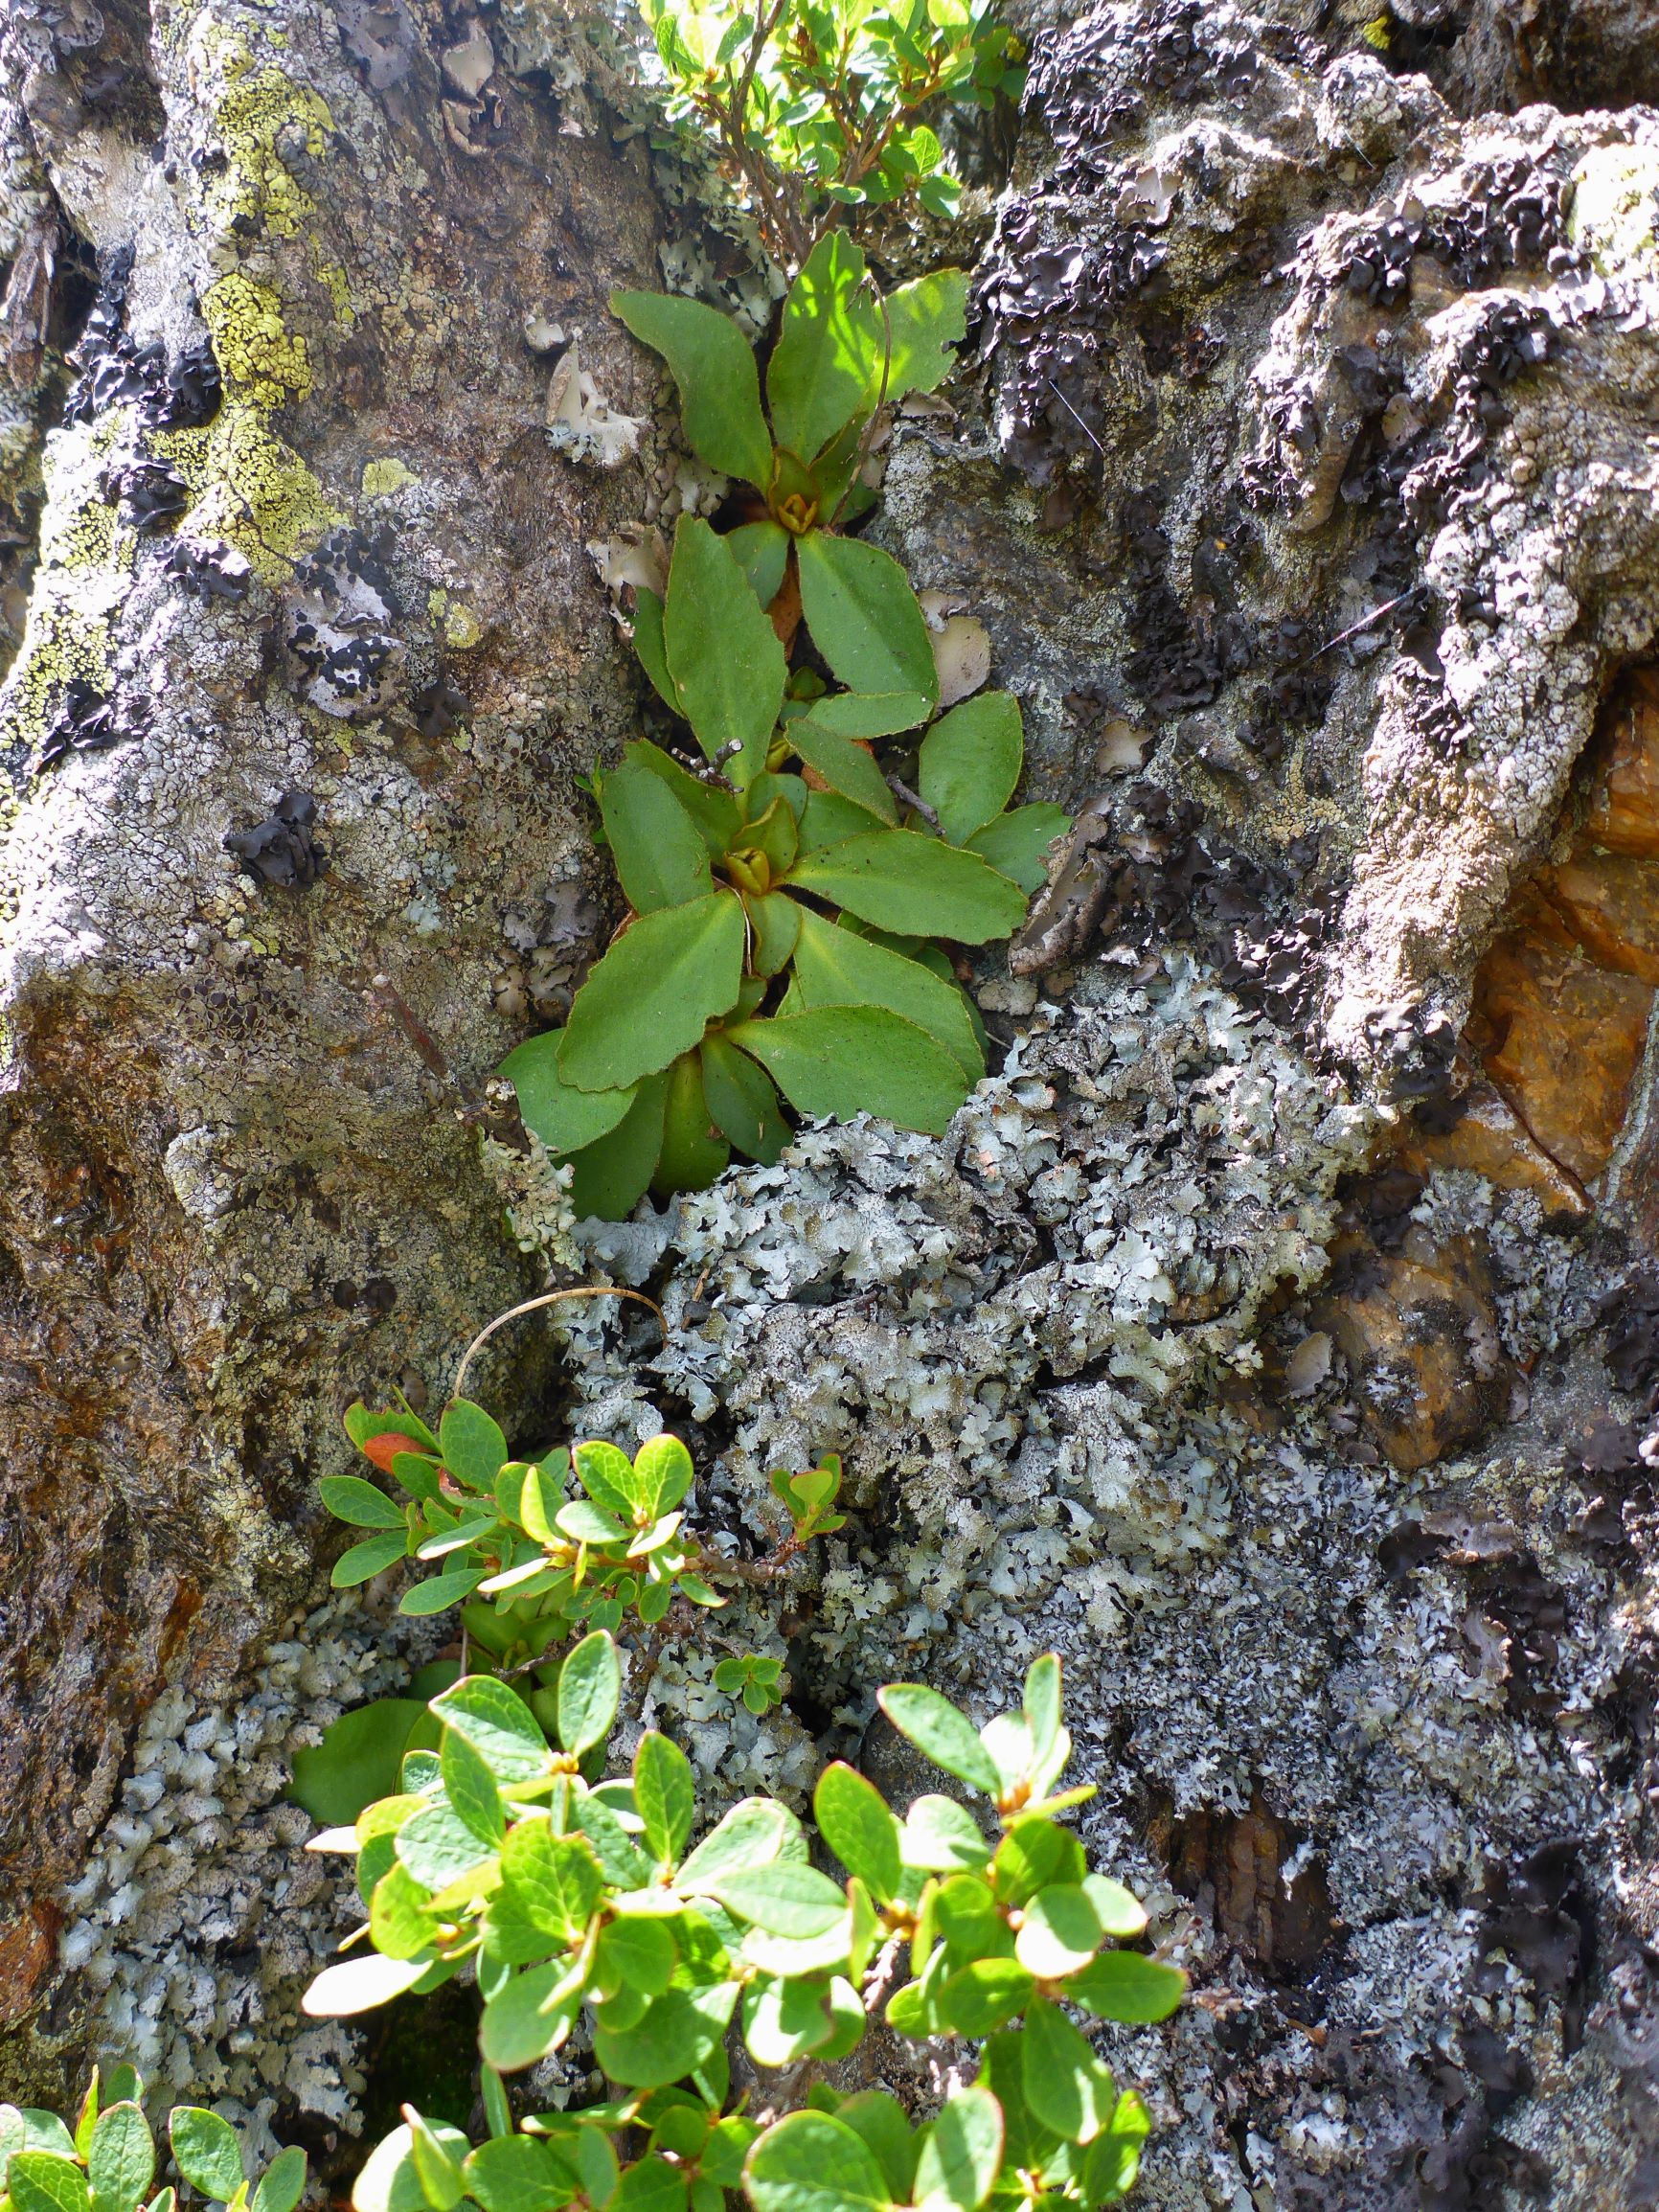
[1306, 475]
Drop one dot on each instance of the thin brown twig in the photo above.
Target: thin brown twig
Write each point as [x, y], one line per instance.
[551, 1298]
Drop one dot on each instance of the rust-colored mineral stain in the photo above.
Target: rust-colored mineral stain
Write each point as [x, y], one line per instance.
[1232, 1866]
[1562, 1039]
[1624, 814]
[1562, 1001]
[1490, 1140]
[187, 1602]
[28, 1953]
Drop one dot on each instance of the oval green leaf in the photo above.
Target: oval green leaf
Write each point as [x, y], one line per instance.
[1121, 1985]
[855, 1821]
[283, 2183]
[1060, 1932]
[914, 887]
[845, 766]
[926, 318]
[357, 1761]
[864, 618]
[693, 1151]
[474, 1448]
[41, 2182]
[810, 2162]
[830, 349]
[970, 761]
[1016, 845]
[357, 1985]
[498, 1724]
[659, 851]
[784, 1899]
[121, 2157]
[843, 1060]
[960, 2158]
[370, 1558]
[715, 369]
[665, 1794]
[838, 967]
[589, 1692]
[940, 1733]
[1066, 2087]
[762, 551]
[349, 1498]
[741, 1098]
[654, 993]
[560, 1115]
[871, 714]
[675, 2037]
[608, 1178]
[724, 655]
[663, 1471]
[531, 2016]
[205, 2151]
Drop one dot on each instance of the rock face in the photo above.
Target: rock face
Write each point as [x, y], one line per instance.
[313, 646]
[1271, 1335]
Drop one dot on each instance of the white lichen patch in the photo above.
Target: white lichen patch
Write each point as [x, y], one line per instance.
[199, 1919]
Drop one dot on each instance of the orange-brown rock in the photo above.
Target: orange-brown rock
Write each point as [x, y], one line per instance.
[1603, 904]
[1564, 1000]
[1233, 1866]
[1624, 814]
[1562, 1039]
[1492, 1140]
[1420, 1335]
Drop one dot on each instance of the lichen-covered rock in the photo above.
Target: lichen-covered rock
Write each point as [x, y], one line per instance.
[313, 646]
[1243, 1340]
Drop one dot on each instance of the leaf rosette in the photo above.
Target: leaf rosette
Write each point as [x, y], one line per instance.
[791, 902]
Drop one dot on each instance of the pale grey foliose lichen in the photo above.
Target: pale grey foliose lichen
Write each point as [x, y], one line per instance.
[200, 1919]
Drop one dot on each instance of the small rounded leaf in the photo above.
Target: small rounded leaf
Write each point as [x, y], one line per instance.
[854, 1821]
[940, 1733]
[206, 2152]
[357, 1985]
[43, 2181]
[589, 1690]
[1121, 1985]
[810, 2162]
[960, 2158]
[121, 2157]
[283, 2183]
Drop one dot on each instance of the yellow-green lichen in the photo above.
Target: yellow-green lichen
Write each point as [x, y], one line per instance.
[461, 628]
[254, 347]
[1616, 208]
[87, 559]
[250, 487]
[254, 107]
[381, 477]
[63, 641]
[332, 279]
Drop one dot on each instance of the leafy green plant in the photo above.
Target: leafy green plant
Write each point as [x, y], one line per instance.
[818, 109]
[756, 1681]
[568, 1892]
[107, 2162]
[504, 1529]
[787, 902]
[527, 1564]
